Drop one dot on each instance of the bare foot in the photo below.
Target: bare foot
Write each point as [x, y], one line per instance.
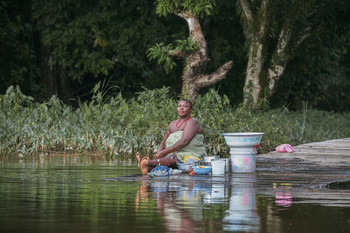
[144, 165]
[141, 196]
[138, 157]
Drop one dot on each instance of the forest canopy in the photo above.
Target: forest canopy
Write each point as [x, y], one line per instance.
[289, 52]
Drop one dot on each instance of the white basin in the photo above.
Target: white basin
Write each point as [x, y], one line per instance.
[245, 139]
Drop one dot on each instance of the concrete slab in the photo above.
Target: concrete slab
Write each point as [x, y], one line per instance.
[331, 153]
[309, 170]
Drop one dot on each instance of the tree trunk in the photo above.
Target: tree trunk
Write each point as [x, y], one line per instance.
[252, 86]
[194, 77]
[64, 84]
[257, 38]
[258, 68]
[281, 57]
[48, 79]
[54, 79]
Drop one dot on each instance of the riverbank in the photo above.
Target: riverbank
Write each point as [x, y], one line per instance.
[116, 127]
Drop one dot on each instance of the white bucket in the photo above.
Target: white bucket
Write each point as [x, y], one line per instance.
[207, 159]
[242, 150]
[227, 164]
[243, 162]
[218, 167]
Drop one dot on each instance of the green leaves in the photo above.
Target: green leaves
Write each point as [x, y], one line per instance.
[17, 56]
[161, 53]
[200, 7]
[196, 7]
[164, 54]
[116, 126]
[99, 38]
[113, 127]
[186, 46]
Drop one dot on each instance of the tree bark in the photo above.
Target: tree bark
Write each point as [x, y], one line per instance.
[258, 68]
[281, 57]
[194, 77]
[54, 79]
[252, 87]
[47, 80]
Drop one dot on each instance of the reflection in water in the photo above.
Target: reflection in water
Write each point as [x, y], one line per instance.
[175, 219]
[242, 214]
[218, 194]
[283, 195]
[180, 204]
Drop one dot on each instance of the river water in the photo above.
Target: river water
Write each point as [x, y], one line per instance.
[86, 194]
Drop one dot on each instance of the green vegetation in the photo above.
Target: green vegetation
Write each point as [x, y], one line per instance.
[121, 127]
[163, 53]
[65, 47]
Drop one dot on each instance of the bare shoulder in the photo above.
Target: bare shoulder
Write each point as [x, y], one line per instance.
[196, 125]
[172, 126]
[194, 120]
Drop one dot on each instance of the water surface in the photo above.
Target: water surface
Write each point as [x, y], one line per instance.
[73, 194]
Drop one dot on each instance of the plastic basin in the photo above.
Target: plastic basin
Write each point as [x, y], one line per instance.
[245, 139]
[201, 170]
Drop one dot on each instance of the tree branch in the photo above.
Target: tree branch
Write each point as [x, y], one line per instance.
[305, 34]
[211, 79]
[265, 18]
[177, 54]
[281, 56]
[247, 11]
[195, 30]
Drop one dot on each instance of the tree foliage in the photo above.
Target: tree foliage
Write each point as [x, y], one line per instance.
[194, 51]
[95, 37]
[17, 55]
[318, 75]
[276, 31]
[199, 8]
[164, 53]
[89, 41]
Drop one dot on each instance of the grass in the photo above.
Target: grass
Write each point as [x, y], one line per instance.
[116, 126]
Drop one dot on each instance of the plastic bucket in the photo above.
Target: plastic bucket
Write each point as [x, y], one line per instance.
[243, 162]
[227, 164]
[242, 150]
[207, 159]
[218, 167]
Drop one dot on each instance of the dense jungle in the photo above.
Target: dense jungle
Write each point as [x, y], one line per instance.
[103, 77]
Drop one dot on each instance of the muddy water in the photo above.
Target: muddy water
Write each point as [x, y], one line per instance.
[72, 194]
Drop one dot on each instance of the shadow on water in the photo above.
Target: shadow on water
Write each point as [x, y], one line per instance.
[339, 185]
[86, 194]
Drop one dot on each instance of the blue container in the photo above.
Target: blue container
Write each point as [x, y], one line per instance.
[202, 170]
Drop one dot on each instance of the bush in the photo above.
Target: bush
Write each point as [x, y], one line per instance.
[116, 126]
